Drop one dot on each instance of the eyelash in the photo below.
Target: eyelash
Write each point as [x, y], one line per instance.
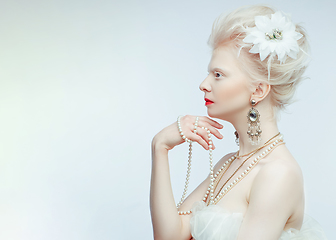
[218, 73]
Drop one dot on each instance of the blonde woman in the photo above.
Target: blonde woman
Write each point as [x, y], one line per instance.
[258, 58]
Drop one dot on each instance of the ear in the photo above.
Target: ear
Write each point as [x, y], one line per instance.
[260, 92]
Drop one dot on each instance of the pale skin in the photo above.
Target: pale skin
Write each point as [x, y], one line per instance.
[270, 197]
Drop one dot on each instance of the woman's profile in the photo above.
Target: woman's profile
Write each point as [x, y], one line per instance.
[258, 58]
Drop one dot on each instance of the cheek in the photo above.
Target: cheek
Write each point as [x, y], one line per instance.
[234, 93]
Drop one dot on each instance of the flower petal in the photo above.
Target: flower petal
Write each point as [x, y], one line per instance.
[254, 49]
[286, 46]
[262, 23]
[249, 38]
[264, 54]
[298, 36]
[292, 54]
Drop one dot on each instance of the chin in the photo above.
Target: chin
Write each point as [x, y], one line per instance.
[214, 115]
[222, 115]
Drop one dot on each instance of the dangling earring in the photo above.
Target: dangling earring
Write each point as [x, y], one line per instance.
[237, 138]
[253, 120]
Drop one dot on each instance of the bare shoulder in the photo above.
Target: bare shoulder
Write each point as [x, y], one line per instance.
[281, 164]
[224, 159]
[280, 175]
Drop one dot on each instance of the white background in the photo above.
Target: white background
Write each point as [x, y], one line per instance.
[85, 85]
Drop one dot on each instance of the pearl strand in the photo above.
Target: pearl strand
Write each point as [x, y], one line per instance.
[217, 174]
[184, 194]
[180, 130]
[212, 179]
[248, 169]
[236, 156]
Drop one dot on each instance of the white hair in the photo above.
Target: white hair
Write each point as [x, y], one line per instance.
[283, 78]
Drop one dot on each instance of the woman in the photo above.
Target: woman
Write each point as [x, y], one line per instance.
[258, 58]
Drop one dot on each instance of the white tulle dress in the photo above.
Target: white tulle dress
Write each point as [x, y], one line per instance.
[215, 223]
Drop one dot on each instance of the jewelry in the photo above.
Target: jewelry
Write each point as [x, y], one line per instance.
[196, 125]
[237, 138]
[275, 35]
[253, 120]
[282, 41]
[211, 186]
[210, 191]
[256, 150]
[248, 170]
[184, 194]
[236, 156]
[233, 174]
[217, 180]
[225, 165]
[212, 179]
[224, 191]
[180, 130]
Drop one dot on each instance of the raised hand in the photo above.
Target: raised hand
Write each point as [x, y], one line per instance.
[169, 137]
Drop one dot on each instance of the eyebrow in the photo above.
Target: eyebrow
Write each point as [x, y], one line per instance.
[217, 69]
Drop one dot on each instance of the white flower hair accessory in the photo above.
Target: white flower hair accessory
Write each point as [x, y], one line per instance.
[275, 35]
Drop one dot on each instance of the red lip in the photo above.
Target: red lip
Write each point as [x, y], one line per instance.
[208, 101]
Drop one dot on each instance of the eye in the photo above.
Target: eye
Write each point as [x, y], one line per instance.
[218, 75]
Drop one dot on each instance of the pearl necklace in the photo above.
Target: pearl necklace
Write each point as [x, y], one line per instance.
[212, 179]
[236, 156]
[210, 191]
[225, 190]
[256, 150]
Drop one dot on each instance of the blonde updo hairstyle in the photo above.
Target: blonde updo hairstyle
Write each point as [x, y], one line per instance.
[283, 78]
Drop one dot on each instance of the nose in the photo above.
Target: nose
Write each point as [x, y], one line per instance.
[205, 86]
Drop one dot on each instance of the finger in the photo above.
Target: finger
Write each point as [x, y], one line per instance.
[201, 141]
[212, 129]
[187, 122]
[215, 132]
[211, 122]
[189, 133]
[204, 133]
